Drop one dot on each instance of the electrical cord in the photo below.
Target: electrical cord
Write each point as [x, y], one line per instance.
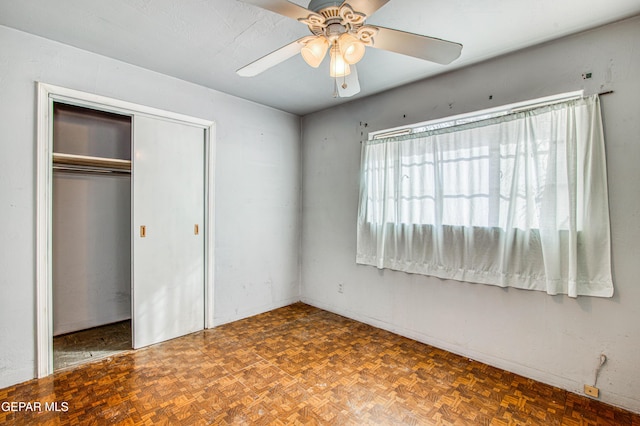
[603, 360]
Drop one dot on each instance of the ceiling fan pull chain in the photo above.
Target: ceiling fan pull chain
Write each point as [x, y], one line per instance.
[335, 70]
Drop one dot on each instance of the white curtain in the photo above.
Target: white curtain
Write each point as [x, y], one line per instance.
[519, 201]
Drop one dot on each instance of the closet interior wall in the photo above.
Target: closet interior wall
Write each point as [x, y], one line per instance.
[91, 222]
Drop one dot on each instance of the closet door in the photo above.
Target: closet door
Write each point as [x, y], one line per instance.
[168, 237]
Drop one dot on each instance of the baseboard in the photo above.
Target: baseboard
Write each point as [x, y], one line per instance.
[242, 314]
[10, 377]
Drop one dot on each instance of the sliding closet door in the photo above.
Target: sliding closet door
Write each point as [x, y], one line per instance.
[168, 239]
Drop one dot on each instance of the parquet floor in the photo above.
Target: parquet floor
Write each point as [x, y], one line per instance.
[298, 365]
[95, 343]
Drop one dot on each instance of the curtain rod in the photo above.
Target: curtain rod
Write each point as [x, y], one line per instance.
[399, 132]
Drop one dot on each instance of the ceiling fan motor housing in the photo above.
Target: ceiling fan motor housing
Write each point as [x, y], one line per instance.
[318, 5]
[333, 18]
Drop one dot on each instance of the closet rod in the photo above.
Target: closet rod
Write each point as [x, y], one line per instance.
[90, 170]
[60, 159]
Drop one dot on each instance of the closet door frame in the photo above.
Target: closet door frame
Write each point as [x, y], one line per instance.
[46, 96]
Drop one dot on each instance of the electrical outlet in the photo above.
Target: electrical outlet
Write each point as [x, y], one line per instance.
[591, 391]
[340, 287]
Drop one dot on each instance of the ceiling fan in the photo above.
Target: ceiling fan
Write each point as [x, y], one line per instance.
[339, 28]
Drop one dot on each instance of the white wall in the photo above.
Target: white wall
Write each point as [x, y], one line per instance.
[91, 250]
[257, 184]
[554, 339]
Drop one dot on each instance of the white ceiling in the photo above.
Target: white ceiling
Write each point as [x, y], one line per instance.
[206, 41]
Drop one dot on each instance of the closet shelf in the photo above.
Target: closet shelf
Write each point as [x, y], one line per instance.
[60, 159]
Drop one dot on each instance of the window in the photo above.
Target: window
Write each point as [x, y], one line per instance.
[497, 197]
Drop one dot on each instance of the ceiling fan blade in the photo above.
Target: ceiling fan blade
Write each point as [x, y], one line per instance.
[272, 59]
[419, 46]
[282, 7]
[368, 7]
[349, 85]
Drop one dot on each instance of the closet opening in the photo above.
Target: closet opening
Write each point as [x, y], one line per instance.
[91, 234]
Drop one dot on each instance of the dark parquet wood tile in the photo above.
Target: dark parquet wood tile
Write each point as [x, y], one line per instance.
[298, 365]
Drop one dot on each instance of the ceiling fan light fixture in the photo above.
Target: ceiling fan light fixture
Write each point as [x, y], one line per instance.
[351, 47]
[314, 51]
[339, 68]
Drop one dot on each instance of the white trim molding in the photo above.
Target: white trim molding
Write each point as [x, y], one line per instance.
[46, 95]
